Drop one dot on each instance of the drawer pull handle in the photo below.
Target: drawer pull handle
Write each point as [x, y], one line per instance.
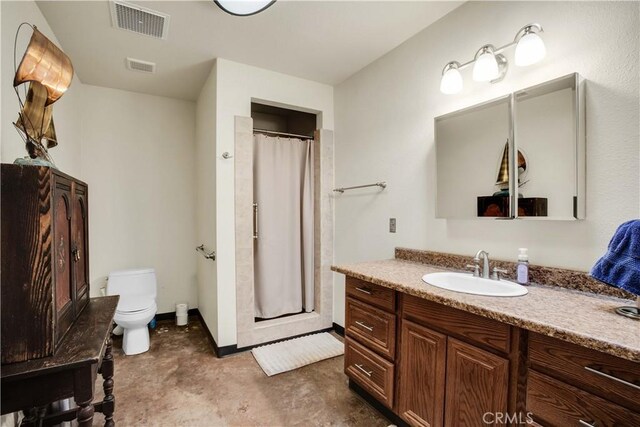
[364, 371]
[367, 327]
[586, 424]
[364, 291]
[611, 377]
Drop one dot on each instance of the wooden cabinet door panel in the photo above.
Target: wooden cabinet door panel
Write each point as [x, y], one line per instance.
[477, 383]
[62, 255]
[421, 383]
[80, 250]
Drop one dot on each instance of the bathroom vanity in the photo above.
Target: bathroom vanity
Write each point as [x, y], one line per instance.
[435, 357]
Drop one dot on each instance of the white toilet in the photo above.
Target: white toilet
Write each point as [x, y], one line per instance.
[136, 308]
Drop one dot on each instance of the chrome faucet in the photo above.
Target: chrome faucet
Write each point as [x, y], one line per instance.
[484, 255]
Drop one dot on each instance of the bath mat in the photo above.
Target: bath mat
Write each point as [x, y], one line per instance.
[295, 353]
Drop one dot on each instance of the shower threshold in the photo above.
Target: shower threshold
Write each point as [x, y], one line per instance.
[261, 319]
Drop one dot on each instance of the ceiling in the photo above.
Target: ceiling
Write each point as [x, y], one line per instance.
[324, 41]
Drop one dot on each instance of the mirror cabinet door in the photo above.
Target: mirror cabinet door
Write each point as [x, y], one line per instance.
[470, 145]
[478, 174]
[548, 136]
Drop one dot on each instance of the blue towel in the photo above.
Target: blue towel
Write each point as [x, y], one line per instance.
[620, 266]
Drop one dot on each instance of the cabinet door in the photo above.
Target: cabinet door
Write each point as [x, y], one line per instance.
[477, 384]
[80, 251]
[62, 255]
[422, 375]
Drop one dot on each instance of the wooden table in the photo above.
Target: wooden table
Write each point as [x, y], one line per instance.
[84, 352]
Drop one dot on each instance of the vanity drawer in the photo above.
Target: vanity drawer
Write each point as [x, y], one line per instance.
[370, 371]
[373, 294]
[372, 327]
[470, 327]
[554, 403]
[607, 376]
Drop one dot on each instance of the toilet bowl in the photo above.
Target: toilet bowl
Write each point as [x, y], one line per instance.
[136, 307]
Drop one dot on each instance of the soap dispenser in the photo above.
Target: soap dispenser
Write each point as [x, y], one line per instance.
[522, 270]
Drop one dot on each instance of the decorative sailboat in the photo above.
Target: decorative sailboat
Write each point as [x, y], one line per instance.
[502, 179]
[49, 72]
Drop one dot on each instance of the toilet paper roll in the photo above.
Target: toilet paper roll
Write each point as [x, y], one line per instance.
[182, 320]
[182, 309]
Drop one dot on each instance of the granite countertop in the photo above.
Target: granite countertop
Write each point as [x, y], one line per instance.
[574, 316]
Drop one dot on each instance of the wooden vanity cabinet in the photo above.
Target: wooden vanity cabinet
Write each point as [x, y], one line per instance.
[449, 367]
[569, 384]
[370, 343]
[44, 268]
[451, 370]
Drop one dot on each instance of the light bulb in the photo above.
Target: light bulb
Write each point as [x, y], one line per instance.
[451, 82]
[486, 67]
[243, 7]
[530, 49]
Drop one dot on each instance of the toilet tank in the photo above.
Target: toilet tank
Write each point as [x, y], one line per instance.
[141, 281]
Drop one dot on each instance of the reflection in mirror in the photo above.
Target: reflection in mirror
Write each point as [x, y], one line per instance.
[470, 146]
[548, 132]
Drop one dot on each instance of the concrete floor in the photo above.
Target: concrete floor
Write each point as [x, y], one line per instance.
[180, 382]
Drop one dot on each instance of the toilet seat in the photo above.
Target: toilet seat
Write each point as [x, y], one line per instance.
[135, 304]
[144, 315]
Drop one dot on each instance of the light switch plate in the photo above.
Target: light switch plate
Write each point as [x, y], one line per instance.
[392, 225]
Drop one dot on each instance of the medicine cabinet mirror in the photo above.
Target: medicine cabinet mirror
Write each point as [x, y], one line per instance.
[480, 176]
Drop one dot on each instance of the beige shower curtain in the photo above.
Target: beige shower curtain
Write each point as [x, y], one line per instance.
[283, 251]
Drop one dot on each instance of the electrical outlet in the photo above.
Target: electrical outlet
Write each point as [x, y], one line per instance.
[392, 225]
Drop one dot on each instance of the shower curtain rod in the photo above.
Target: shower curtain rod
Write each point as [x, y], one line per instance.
[282, 133]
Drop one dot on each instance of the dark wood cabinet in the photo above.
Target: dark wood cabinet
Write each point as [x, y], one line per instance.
[475, 353]
[477, 384]
[449, 367]
[44, 268]
[421, 382]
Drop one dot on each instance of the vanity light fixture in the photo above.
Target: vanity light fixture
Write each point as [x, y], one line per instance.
[451, 78]
[530, 48]
[490, 65]
[243, 7]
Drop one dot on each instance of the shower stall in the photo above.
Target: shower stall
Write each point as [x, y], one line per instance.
[284, 230]
[283, 224]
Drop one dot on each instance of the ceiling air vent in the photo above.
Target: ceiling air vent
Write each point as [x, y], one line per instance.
[142, 66]
[138, 19]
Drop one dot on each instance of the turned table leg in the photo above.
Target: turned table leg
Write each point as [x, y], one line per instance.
[109, 402]
[85, 412]
[83, 394]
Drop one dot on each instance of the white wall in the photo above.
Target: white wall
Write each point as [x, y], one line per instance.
[237, 85]
[138, 153]
[384, 131]
[206, 201]
[65, 111]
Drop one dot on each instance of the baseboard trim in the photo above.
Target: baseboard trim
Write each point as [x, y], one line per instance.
[219, 351]
[172, 314]
[228, 350]
[388, 414]
[339, 329]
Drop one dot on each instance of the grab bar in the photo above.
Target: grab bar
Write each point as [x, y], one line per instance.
[381, 184]
[255, 220]
[208, 255]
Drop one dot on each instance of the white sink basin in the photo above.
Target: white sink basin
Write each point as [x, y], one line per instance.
[466, 283]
